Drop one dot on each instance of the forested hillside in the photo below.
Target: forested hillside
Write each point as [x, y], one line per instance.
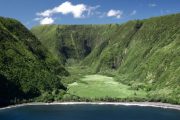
[142, 53]
[27, 69]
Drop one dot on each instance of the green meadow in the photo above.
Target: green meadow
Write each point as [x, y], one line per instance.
[100, 86]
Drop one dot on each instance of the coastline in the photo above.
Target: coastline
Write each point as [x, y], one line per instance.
[141, 104]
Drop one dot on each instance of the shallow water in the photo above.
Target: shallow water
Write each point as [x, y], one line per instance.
[88, 112]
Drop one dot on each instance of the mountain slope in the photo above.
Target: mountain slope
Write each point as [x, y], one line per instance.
[143, 53]
[27, 69]
[70, 41]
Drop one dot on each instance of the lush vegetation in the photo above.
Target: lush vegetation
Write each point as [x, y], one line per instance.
[99, 86]
[142, 54]
[139, 61]
[27, 69]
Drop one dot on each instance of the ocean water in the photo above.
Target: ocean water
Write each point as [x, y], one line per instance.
[88, 112]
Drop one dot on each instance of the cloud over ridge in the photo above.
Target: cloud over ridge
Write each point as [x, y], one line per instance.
[115, 13]
[68, 8]
[46, 20]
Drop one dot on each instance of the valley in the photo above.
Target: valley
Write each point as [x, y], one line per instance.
[84, 85]
[134, 61]
[141, 55]
[90, 60]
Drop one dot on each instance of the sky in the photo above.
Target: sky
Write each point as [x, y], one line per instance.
[42, 12]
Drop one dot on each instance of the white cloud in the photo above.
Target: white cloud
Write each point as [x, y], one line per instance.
[78, 11]
[133, 12]
[115, 13]
[152, 5]
[46, 20]
[91, 9]
[68, 8]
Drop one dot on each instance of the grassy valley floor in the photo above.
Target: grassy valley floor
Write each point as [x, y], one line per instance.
[85, 85]
[101, 86]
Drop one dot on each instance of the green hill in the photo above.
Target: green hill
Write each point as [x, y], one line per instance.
[27, 69]
[144, 54]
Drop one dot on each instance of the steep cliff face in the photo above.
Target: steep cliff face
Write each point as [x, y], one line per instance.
[71, 41]
[27, 69]
[145, 53]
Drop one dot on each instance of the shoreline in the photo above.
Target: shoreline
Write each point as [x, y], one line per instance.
[140, 104]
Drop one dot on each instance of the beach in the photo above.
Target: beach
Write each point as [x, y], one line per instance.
[141, 104]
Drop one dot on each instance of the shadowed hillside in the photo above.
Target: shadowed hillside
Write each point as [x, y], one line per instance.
[27, 69]
[143, 53]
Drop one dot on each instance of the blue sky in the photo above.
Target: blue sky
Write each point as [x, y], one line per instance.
[36, 12]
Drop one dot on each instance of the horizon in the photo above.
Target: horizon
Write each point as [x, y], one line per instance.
[81, 12]
[108, 23]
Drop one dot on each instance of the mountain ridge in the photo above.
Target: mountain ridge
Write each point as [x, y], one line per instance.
[142, 53]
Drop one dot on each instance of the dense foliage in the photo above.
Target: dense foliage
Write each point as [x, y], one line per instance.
[143, 53]
[27, 69]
